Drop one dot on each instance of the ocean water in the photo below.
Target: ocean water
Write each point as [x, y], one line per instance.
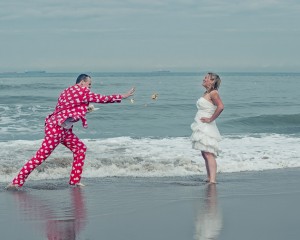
[260, 125]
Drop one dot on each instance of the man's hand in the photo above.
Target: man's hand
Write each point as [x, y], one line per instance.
[129, 93]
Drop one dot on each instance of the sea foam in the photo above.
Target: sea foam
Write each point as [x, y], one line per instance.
[150, 157]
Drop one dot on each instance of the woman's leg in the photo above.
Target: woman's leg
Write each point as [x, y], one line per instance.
[211, 166]
[206, 166]
[78, 148]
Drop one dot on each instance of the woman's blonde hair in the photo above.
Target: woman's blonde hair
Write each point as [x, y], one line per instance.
[216, 79]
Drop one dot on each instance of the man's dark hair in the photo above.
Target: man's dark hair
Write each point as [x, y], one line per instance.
[82, 77]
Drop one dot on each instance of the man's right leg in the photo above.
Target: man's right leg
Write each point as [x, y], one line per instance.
[78, 148]
[53, 136]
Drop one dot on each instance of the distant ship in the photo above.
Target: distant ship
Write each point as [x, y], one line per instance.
[161, 71]
[35, 72]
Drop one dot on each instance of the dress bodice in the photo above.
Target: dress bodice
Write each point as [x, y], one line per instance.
[205, 107]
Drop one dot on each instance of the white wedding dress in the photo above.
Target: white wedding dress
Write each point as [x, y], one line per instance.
[206, 136]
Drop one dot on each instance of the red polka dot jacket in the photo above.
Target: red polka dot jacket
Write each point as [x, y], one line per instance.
[73, 103]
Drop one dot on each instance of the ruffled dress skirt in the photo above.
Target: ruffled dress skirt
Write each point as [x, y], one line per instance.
[205, 136]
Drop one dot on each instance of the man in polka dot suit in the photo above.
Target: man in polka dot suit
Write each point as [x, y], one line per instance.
[71, 107]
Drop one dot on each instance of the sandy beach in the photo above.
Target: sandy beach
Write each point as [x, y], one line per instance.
[248, 205]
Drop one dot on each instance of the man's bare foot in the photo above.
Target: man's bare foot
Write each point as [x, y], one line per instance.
[12, 187]
[206, 180]
[211, 182]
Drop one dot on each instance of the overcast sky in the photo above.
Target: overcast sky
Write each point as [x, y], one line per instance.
[149, 35]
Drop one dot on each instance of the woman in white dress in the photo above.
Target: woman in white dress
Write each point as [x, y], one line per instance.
[206, 135]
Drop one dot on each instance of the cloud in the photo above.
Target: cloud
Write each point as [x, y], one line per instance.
[18, 9]
[95, 16]
[132, 32]
[30, 9]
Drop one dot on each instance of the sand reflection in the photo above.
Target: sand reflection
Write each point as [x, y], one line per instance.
[209, 218]
[55, 220]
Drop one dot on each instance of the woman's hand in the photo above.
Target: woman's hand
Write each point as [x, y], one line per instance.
[205, 120]
[129, 93]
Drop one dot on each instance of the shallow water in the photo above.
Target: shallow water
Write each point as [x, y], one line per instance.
[260, 205]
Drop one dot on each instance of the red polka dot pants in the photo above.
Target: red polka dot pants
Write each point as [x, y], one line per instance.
[55, 135]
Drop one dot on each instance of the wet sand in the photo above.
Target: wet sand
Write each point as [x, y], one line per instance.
[248, 205]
